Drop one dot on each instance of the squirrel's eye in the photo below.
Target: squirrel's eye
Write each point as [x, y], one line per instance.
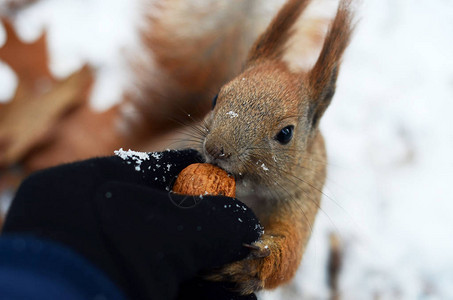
[214, 101]
[285, 135]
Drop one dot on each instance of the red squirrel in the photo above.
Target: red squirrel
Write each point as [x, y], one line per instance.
[264, 130]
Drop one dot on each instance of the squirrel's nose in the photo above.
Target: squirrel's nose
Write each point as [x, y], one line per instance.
[217, 151]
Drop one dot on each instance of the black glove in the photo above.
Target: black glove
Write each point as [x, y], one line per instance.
[118, 212]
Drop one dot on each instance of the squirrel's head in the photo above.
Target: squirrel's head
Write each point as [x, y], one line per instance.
[266, 118]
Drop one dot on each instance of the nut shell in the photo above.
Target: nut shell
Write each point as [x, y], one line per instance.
[204, 179]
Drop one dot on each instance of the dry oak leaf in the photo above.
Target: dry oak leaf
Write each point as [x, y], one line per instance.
[26, 125]
[40, 101]
[28, 60]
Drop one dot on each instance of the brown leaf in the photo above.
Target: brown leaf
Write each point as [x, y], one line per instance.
[82, 134]
[25, 124]
[40, 101]
[28, 60]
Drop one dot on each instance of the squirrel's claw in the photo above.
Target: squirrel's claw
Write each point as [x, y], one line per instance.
[245, 274]
[248, 273]
[258, 250]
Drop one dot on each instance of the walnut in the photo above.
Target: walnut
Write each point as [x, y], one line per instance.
[204, 179]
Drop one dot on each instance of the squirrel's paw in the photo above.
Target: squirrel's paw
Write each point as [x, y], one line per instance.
[250, 273]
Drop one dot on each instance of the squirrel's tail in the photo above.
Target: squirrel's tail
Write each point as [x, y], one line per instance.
[194, 48]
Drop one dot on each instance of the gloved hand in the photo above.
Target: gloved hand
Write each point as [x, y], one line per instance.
[118, 213]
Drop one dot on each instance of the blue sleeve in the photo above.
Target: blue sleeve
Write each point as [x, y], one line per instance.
[31, 268]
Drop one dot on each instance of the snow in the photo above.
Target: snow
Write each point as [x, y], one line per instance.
[388, 132]
[137, 157]
[130, 154]
[156, 155]
[8, 84]
[232, 114]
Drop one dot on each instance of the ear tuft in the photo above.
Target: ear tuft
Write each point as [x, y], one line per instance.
[323, 76]
[271, 44]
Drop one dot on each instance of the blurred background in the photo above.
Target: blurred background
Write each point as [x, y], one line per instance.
[83, 78]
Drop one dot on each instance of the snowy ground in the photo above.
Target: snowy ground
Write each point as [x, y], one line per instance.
[388, 134]
[390, 142]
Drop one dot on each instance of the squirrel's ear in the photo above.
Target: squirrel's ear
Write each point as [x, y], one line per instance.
[323, 76]
[271, 44]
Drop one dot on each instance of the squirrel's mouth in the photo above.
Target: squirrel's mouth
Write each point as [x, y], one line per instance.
[229, 165]
[226, 160]
[225, 165]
